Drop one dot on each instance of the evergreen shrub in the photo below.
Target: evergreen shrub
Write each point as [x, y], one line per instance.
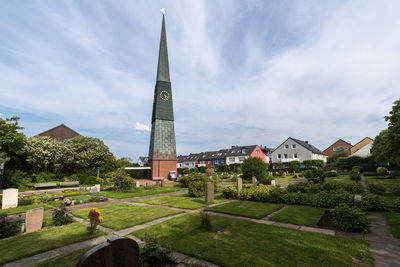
[351, 219]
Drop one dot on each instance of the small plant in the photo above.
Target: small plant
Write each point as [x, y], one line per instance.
[9, 228]
[60, 216]
[297, 198]
[229, 192]
[371, 202]
[377, 189]
[123, 182]
[396, 190]
[382, 171]
[396, 204]
[351, 219]
[205, 220]
[152, 254]
[24, 201]
[46, 198]
[314, 174]
[355, 175]
[95, 219]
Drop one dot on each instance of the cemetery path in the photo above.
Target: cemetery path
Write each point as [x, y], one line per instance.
[364, 184]
[384, 247]
[275, 212]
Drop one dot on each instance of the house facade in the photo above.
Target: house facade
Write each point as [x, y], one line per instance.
[142, 161]
[295, 149]
[362, 148]
[330, 151]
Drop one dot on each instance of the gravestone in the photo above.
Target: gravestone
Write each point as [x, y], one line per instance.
[217, 178]
[34, 220]
[117, 251]
[239, 185]
[10, 198]
[137, 184]
[95, 189]
[358, 201]
[163, 183]
[209, 192]
[297, 176]
[253, 180]
[147, 184]
[273, 182]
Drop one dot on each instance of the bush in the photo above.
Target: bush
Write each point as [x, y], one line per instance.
[20, 179]
[331, 173]
[297, 198]
[396, 190]
[296, 187]
[152, 254]
[61, 217]
[351, 219]
[377, 189]
[294, 166]
[43, 177]
[315, 174]
[356, 188]
[9, 228]
[229, 192]
[355, 175]
[371, 202]
[309, 164]
[266, 180]
[357, 169]
[123, 182]
[23, 201]
[332, 199]
[382, 171]
[196, 188]
[370, 173]
[254, 167]
[396, 204]
[257, 193]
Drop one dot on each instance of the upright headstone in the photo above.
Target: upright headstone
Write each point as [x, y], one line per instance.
[217, 178]
[147, 184]
[239, 185]
[209, 192]
[95, 189]
[163, 183]
[34, 220]
[253, 180]
[10, 198]
[117, 251]
[358, 201]
[137, 184]
[273, 182]
[297, 176]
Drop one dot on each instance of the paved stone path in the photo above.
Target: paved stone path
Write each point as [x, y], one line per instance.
[364, 184]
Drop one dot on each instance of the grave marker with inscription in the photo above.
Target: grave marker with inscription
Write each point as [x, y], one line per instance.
[34, 220]
[10, 198]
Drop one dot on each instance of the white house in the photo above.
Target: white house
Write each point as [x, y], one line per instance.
[364, 152]
[295, 149]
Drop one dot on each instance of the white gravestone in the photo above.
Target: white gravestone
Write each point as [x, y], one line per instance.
[273, 182]
[10, 198]
[137, 184]
[95, 189]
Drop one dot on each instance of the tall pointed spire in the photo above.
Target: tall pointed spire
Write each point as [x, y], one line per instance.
[163, 66]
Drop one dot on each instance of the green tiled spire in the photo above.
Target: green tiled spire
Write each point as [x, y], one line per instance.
[162, 140]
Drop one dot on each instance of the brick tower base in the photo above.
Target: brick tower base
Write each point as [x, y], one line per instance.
[161, 168]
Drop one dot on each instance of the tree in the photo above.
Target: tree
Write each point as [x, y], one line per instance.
[386, 146]
[340, 152]
[308, 164]
[253, 166]
[294, 166]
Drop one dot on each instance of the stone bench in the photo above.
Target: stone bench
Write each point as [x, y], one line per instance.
[74, 183]
[48, 185]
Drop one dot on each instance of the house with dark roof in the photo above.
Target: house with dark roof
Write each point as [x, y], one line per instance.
[188, 161]
[60, 133]
[237, 154]
[339, 144]
[142, 161]
[295, 149]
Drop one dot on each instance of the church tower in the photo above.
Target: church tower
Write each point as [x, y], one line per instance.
[162, 152]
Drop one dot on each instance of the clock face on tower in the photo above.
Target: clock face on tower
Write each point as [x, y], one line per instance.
[164, 95]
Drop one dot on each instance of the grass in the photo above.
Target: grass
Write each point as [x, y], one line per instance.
[122, 215]
[301, 215]
[233, 242]
[66, 260]
[284, 179]
[387, 183]
[390, 201]
[249, 209]
[24, 245]
[142, 191]
[394, 222]
[23, 209]
[183, 201]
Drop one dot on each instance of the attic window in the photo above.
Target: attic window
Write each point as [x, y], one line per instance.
[293, 146]
[243, 150]
[286, 146]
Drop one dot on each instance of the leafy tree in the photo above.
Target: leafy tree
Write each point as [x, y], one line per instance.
[253, 166]
[222, 168]
[294, 166]
[308, 164]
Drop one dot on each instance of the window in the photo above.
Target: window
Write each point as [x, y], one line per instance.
[286, 146]
[279, 156]
[192, 163]
[202, 162]
[243, 150]
[293, 146]
[231, 159]
[241, 159]
[295, 155]
[285, 155]
[209, 162]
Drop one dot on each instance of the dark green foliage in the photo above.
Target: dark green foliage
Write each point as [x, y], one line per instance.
[396, 190]
[332, 199]
[371, 202]
[23, 201]
[277, 195]
[254, 167]
[296, 187]
[266, 180]
[354, 188]
[123, 182]
[396, 204]
[314, 174]
[9, 228]
[297, 198]
[294, 166]
[183, 171]
[236, 168]
[355, 175]
[351, 219]
[152, 254]
[382, 171]
[349, 162]
[61, 217]
[377, 189]
[196, 188]
[19, 179]
[370, 173]
[222, 168]
[308, 164]
[357, 169]
[331, 173]
[229, 192]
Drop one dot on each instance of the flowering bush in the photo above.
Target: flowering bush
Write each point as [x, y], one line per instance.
[95, 219]
[229, 192]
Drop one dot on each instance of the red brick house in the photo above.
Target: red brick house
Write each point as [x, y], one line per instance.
[339, 143]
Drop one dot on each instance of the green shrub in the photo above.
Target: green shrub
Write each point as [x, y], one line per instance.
[308, 164]
[355, 175]
[371, 202]
[370, 173]
[296, 187]
[43, 177]
[294, 166]
[356, 188]
[20, 179]
[351, 219]
[315, 174]
[123, 182]
[332, 199]
[357, 169]
[297, 198]
[253, 166]
[332, 186]
[196, 188]
[396, 190]
[331, 173]
[229, 192]
[277, 195]
[315, 188]
[9, 228]
[152, 254]
[23, 201]
[382, 171]
[61, 217]
[377, 189]
[396, 204]
[257, 193]
[265, 180]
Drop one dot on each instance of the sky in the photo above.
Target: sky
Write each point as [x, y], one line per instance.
[242, 72]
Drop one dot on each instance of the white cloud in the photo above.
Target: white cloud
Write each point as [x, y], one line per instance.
[142, 127]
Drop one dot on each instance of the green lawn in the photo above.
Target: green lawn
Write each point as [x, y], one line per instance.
[233, 242]
[66, 260]
[284, 179]
[122, 215]
[343, 179]
[390, 201]
[302, 215]
[183, 201]
[394, 222]
[250, 209]
[24, 245]
[142, 191]
[23, 209]
[387, 183]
